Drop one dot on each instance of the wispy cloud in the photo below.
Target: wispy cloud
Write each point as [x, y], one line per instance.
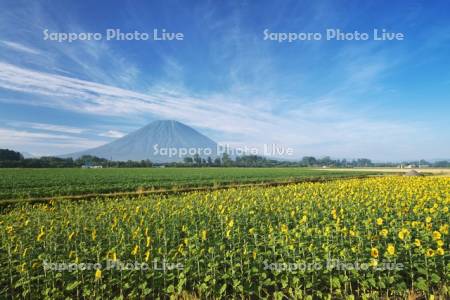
[313, 127]
[248, 92]
[20, 47]
[40, 142]
[89, 97]
[91, 60]
[112, 134]
[49, 127]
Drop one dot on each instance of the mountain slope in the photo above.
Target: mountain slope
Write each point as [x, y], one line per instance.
[28, 155]
[140, 144]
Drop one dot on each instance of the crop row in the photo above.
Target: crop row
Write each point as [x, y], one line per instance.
[26, 183]
[363, 238]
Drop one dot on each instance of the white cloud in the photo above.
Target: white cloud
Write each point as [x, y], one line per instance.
[112, 134]
[49, 127]
[89, 97]
[13, 134]
[40, 142]
[20, 47]
[250, 107]
[318, 128]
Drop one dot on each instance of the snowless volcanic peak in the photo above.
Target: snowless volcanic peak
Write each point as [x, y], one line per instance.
[159, 141]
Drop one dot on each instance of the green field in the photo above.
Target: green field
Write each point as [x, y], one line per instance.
[386, 238]
[32, 183]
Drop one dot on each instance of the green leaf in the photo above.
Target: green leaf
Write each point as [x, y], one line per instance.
[170, 289]
[222, 289]
[421, 284]
[435, 278]
[335, 282]
[73, 285]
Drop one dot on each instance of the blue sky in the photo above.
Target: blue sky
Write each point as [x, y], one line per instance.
[385, 100]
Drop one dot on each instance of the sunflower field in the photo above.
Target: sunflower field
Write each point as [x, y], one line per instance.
[384, 237]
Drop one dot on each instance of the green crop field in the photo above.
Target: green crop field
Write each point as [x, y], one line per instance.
[32, 183]
[373, 238]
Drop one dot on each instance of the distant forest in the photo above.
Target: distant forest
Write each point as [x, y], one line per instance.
[13, 159]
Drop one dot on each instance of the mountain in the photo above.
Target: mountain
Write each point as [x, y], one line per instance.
[28, 155]
[159, 141]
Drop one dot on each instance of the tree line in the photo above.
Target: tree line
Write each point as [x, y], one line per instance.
[306, 161]
[13, 159]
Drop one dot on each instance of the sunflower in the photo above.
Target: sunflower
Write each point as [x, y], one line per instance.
[436, 235]
[415, 224]
[114, 256]
[135, 250]
[417, 243]
[98, 274]
[373, 262]
[333, 213]
[384, 232]
[444, 229]
[391, 249]
[379, 221]
[429, 253]
[231, 223]
[147, 255]
[440, 251]
[304, 219]
[374, 252]
[402, 234]
[41, 234]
